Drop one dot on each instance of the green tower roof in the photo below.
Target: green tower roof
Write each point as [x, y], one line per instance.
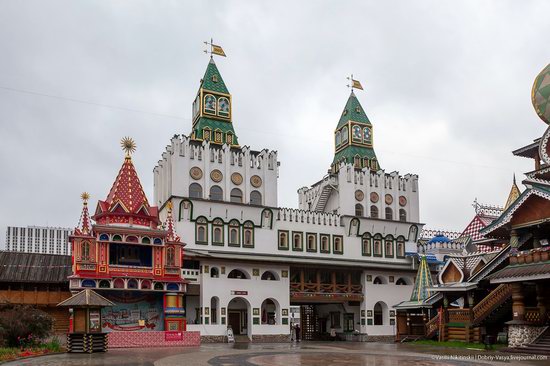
[353, 111]
[423, 282]
[212, 79]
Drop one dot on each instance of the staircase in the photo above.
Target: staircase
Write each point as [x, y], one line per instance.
[491, 302]
[540, 346]
[432, 326]
[326, 186]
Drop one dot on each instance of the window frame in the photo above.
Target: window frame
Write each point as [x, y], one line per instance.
[234, 225]
[377, 238]
[335, 238]
[366, 237]
[201, 222]
[248, 226]
[314, 236]
[217, 223]
[327, 237]
[286, 232]
[301, 236]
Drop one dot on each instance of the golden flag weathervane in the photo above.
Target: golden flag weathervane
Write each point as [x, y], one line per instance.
[354, 84]
[214, 49]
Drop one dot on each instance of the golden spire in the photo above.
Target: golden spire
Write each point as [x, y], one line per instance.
[514, 194]
[128, 145]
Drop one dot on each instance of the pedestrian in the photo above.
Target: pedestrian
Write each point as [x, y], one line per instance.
[297, 329]
[292, 332]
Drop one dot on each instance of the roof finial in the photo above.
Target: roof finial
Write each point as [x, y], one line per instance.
[214, 49]
[128, 145]
[84, 217]
[172, 236]
[354, 84]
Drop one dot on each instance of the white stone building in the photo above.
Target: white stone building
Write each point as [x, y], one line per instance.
[341, 258]
[38, 239]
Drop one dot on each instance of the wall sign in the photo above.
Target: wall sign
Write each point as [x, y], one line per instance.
[236, 292]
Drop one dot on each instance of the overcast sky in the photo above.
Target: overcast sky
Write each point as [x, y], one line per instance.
[447, 88]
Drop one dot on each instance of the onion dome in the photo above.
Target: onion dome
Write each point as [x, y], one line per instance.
[439, 238]
[540, 94]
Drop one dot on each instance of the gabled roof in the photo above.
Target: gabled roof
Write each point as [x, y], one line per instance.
[212, 79]
[34, 267]
[86, 298]
[507, 215]
[353, 111]
[513, 195]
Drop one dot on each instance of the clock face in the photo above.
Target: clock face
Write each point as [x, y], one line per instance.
[357, 133]
[223, 107]
[366, 134]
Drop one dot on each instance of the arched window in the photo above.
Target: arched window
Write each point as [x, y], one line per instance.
[104, 284]
[216, 193]
[378, 314]
[357, 161]
[366, 135]
[132, 283]
[325, 246]
[400, 247]
[345, 134]
[214, 304]
[269, 310]
[358, 210]
[283, 240]
[237, 274]
[248, 235]
[207, 133]
[118, 283]
[388, 246]
[255, 198]
[210, 104]
[218, 136]
[146, 284]
[201, 230]
[337, 138]
[117, 238]
[223, 107]
[214, 272]
[389, 213]
[229, 138]
[401, 282]
[366, 244]
[269, 276]
[217, 231]
[85, 251]
[170, 256]
[377, 245]
[195, 190]
[145, 240]
[104, 237]
[402, 215]
[236, 195]
[356, 133]
[373, 212]
[338, 246]
[378, 281]
[159, 286]
[234, 232]
[297, 241]
[311, 243]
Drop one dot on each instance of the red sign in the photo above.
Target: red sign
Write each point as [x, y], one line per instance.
[171, 336]
[239, 292]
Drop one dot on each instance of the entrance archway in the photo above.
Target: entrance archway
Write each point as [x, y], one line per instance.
[270, 312]
[239, 316]
[380, 313]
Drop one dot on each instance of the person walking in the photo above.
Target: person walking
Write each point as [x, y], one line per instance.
[297, 329]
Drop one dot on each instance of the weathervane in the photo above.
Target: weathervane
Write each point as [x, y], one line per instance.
[128, 145]
[214, 49]
[354, 84]
[85, 196]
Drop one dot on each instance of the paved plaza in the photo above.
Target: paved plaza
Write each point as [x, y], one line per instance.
[306, 353]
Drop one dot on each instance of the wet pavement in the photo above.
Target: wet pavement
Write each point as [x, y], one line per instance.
[275, 354]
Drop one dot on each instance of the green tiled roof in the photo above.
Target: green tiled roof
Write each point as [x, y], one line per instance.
[353, 112]
[214, 125]
[209, 84]
[349, 153]
[423, 282]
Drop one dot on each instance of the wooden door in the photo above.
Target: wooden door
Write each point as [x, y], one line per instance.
[235, 322]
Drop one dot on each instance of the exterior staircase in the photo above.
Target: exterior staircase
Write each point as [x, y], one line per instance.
[540, 346]
[432, 326]
[327, 185]
[492, 302]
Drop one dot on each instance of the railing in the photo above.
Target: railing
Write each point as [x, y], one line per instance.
[325, 288]
[431, 326]
[171, 270]
[492, 301]
[459, 315]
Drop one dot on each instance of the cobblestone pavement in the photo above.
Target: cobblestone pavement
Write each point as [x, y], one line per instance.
[307, 353]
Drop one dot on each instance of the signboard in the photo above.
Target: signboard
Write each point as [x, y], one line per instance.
[230, 337]
[95, 323]
[172, 336]
[235, 292]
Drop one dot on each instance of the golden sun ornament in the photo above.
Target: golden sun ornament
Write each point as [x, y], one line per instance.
[128, 145]
[85, 196]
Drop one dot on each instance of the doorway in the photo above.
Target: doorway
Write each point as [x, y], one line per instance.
[238, 311]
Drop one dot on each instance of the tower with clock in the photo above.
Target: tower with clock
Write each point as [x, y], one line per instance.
[212, 110]
[353, 138]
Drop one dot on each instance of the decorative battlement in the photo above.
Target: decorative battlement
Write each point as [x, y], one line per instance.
[308, 217]
[240, 156]
[430, 233]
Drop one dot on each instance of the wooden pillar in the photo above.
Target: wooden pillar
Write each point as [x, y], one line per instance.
[318, 279]
[518, 306]
[541, 299]
[514, 241]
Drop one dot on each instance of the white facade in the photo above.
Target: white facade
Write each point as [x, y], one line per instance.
[38, 239]
[226, 231]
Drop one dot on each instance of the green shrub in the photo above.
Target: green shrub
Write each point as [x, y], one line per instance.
[23, 326]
